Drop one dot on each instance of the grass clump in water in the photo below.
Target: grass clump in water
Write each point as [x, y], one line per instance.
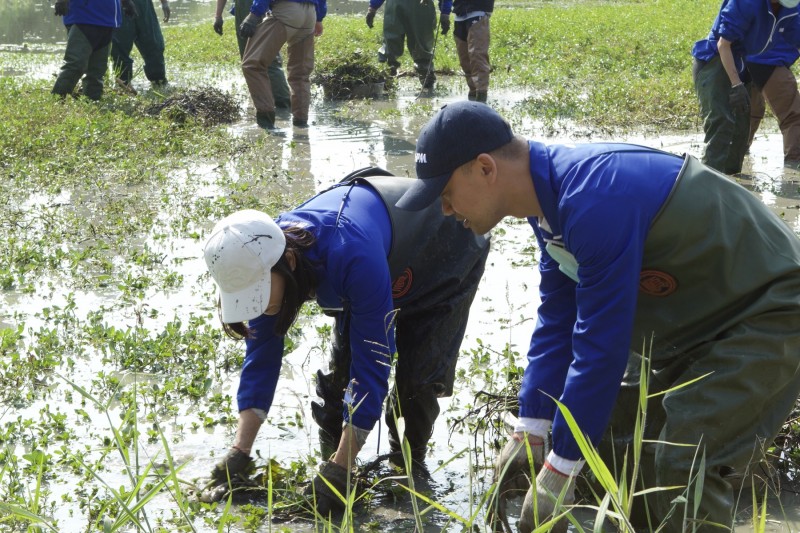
[208, 106]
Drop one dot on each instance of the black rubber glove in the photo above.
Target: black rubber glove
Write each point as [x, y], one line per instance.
[739, 99]
[218, 25]
[129, 9]
[326, 500]
[166, 10]
[444, 22]
[249, 25]
[236, 464]
[370, 17]
[61, 7]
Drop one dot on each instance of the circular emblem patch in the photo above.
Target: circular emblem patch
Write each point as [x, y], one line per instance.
[402, 284]
[657, 283]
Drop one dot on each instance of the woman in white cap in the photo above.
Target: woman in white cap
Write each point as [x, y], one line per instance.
[396, 282]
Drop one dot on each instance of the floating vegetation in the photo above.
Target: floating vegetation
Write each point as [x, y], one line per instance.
[207, 105]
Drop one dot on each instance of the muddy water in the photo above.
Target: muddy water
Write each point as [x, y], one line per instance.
[502, 314]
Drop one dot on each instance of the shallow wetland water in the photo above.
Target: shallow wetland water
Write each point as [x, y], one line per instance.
[300, 162]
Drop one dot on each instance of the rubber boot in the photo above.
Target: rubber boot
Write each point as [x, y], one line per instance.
[265, 119]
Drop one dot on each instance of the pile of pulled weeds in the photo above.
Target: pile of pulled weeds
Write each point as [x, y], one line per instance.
[343, 79]
[207, 105]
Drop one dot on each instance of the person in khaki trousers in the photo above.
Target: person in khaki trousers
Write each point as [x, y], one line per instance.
[241, 8]
[774, 81]
[268, 26]
[471, 33]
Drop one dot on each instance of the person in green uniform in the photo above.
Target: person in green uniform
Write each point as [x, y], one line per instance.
[143, 31]
[411, 22]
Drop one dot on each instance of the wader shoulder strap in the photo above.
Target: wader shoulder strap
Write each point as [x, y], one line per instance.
[410, 229]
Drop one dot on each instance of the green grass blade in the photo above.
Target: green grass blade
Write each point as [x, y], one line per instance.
[21, 513]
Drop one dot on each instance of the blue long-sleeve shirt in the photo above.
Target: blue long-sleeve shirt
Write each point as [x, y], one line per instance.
[781, 54]
[106, 13]
[750, 25]
[260, 7]
[598, 202]
[350, 257]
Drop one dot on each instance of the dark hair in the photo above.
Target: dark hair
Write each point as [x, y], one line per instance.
[300, 284]
[516, 147]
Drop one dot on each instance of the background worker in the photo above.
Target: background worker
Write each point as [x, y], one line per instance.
[394, 282]
[636, 245]
[277, 79]
[411, 22]
[774, 81]
[742, 28]
[89, 30]
[471, 33]
[143, 31]
[296, 23]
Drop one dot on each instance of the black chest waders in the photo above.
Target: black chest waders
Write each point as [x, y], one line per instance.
[435, 264]
[719, 300]
[429, 250]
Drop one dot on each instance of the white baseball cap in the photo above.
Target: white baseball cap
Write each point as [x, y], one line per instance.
[789, 3]
[240, 253]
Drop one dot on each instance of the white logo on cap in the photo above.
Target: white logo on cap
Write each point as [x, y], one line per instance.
[420, 157]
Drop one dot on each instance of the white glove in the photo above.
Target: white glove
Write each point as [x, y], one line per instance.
[551, 486]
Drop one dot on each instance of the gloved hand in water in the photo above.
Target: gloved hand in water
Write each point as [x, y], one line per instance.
[326, 500]
[554, 490]
[513, 472]
[234, 469]
[512, 469]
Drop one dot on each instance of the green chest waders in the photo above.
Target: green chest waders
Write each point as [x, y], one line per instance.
[714, 256]
[719, 295]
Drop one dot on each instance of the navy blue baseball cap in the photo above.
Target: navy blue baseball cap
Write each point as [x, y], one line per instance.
[457, 134]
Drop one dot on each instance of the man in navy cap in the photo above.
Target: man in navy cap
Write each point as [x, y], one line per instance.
[639, 247]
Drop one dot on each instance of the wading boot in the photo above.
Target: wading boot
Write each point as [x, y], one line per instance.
[480, 96]
[427, 79]
[265, 119]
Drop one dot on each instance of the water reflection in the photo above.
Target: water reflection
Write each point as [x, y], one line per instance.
[32, 22]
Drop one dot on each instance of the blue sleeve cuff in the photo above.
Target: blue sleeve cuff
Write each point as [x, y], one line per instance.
[262, 366]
